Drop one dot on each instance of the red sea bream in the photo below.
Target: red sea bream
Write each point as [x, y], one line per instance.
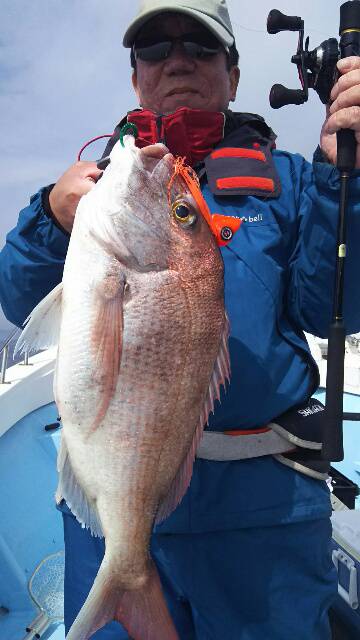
[142, 352]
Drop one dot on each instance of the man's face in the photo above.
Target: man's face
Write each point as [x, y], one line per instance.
[179, 80]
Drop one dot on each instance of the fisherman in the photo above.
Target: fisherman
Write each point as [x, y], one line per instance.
[246, 554]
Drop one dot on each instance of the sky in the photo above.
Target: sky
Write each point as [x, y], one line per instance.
[65, 78]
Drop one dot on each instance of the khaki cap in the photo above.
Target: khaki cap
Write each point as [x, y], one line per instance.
[213, 14]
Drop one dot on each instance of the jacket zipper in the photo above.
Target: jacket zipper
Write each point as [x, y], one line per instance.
[160, 130]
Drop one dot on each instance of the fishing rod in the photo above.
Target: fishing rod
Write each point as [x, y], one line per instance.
[317, 70]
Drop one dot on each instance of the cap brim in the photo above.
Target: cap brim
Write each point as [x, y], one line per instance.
[225, 37]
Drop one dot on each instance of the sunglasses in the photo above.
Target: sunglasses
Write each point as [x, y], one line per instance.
[196, 45]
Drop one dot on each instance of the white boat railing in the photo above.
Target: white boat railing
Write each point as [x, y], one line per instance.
[4, 351]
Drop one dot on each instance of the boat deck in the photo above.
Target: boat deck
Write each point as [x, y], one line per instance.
[31, 527]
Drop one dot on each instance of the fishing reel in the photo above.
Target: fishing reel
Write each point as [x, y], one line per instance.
[317, 69]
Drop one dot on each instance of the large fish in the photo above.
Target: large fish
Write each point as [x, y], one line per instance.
[142, 353]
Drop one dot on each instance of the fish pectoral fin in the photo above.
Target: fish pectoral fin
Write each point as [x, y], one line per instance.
[141, 609]
[221, 374]
[42, 326]
[70, 490]
[106, 338]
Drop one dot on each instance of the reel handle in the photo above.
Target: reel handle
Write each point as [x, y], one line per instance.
[278, 21]
[281, 96]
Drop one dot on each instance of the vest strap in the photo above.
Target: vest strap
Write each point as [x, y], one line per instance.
[294, 438]
[240, 445]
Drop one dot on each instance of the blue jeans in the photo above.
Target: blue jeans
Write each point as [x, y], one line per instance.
[273, 583]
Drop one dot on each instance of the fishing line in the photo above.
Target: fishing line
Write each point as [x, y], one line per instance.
[251, 29]
[89, 142]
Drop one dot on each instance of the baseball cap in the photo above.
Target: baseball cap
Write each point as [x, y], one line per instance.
[213, 14]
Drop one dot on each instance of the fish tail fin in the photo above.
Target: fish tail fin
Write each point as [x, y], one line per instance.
[141, 610]
[144, 612]
[98, 609]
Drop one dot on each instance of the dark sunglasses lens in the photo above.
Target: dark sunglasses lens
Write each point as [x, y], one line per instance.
[152, 52]
[196, 50]
[197, 45]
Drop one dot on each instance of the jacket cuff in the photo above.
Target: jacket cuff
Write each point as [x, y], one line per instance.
[319, 156]
[48, 234]
[327, 178]
[45, 201]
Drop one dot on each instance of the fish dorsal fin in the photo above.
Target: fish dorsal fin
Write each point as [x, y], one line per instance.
[70, 490]
[42, 326]
[220, 375]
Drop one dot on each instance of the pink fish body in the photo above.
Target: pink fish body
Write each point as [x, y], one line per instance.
[142, 353]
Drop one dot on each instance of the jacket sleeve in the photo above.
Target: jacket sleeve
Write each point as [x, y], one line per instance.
[312, 265]
[31, 262]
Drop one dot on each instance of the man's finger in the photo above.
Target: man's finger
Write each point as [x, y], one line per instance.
[154, 151]
[87, 184]
[345, 82]
[349, 98]
[88, 169]
[347, 64]
[344, 119]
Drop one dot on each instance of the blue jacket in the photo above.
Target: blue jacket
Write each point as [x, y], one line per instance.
[279, 279]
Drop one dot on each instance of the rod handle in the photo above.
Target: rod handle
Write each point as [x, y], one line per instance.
[349, 16]
[333, 448]
[346, 150]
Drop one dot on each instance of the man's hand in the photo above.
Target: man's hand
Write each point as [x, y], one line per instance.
[151, 155]
[344, 112]
[74, 183]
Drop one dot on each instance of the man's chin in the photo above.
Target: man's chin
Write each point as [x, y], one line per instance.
[186, 99]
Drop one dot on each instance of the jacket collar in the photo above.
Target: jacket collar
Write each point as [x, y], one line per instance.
[192, 133]
[189, 133]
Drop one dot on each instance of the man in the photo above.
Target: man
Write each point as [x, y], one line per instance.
[246, 554]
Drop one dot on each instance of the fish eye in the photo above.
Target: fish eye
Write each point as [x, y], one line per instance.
[184, 213]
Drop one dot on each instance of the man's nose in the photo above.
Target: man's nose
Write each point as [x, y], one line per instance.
[178, 60]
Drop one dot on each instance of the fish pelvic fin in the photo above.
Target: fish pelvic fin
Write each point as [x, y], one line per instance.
[219, 377]
[140, 607]
[42, 326]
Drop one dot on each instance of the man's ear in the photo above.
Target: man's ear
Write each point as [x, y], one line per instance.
[234, 81]
[135, 82]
